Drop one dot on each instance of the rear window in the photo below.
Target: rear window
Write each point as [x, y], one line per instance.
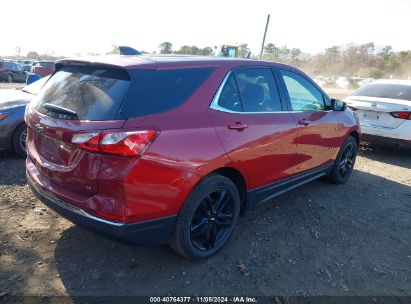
[85, 93]
[394, 91]
[156, 91]
[46, 64]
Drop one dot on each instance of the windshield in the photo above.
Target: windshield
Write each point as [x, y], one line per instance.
[35, 87]
[384, 90]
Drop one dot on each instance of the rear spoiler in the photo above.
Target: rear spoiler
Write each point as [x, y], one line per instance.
[74, 62]
[115, 71]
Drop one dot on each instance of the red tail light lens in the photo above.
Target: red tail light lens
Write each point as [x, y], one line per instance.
[126, 143]
[402, 115]
[2, 69]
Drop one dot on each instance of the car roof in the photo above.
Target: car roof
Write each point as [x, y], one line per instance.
[159, 61]
[392, 81]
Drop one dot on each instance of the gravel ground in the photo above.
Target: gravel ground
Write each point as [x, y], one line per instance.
[321, 239]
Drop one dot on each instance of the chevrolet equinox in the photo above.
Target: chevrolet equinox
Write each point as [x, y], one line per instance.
[172, 149]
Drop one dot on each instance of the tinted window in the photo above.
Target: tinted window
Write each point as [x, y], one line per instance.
[229, 98]
[156, 91]
[46, 64]
[257, 89]
[304, 96]
[93, 93]
[382, 90]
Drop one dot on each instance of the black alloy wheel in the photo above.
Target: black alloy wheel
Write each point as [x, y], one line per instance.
[212, 220]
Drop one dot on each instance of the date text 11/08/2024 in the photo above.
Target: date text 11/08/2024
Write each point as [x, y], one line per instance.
[203, 300]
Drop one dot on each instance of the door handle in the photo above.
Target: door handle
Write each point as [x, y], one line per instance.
[304, 122]
[239, 126]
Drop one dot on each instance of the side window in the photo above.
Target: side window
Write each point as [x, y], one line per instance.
[229, 98]
[157, 91]
[304, 96]
[258, 90]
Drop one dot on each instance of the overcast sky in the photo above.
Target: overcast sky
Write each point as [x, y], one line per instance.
[67, 27]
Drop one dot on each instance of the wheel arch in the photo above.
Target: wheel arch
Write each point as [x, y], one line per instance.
[355, 134]
[238, 179]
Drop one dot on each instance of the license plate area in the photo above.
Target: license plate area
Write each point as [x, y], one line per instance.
[370, 115]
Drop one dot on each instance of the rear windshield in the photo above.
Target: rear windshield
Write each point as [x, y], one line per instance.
[85, 93]
[382, 90]
[46, 64]
[156, 91]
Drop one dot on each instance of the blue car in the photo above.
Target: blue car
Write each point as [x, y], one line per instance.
[13, 131]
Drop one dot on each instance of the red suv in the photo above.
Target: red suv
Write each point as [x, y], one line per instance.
[168, 149]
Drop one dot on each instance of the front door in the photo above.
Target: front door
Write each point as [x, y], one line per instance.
[319, 133]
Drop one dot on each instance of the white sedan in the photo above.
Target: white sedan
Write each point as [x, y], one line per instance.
[384, 110]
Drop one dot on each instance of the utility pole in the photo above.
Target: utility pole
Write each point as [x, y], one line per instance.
[265, 33]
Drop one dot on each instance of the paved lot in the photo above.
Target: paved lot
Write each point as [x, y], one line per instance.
[321, 239]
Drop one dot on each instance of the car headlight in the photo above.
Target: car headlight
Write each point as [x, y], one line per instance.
[3, 116]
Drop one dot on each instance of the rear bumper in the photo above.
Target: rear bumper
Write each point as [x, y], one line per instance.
[153, 232]
[386, 140]
[403, 132]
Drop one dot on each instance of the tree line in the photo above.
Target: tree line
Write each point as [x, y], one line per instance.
[352, 60]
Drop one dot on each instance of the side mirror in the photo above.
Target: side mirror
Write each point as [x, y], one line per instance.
[338, 105]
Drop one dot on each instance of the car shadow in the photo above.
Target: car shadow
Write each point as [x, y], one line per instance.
[320, 239]
[387, 154]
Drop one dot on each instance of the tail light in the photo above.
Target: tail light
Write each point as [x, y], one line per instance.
[402, 115]
[125, 143]
[2, 69]
[87, 141]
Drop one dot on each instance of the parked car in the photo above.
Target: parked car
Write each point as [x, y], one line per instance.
[11, 72]
[27, 65]
[154, 149]
[43, 68]
[384, 110]
[13, 130]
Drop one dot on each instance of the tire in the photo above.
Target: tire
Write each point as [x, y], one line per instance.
[207, 219]
[19, 134]
[10, 78]
[345, 161]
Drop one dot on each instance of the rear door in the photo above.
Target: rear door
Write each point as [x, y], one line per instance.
[319, 132]
[75, 99]
[255, 132]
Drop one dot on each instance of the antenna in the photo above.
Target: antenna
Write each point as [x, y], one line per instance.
[265, 33]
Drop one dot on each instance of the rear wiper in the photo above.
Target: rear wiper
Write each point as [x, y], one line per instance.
[59, 109]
